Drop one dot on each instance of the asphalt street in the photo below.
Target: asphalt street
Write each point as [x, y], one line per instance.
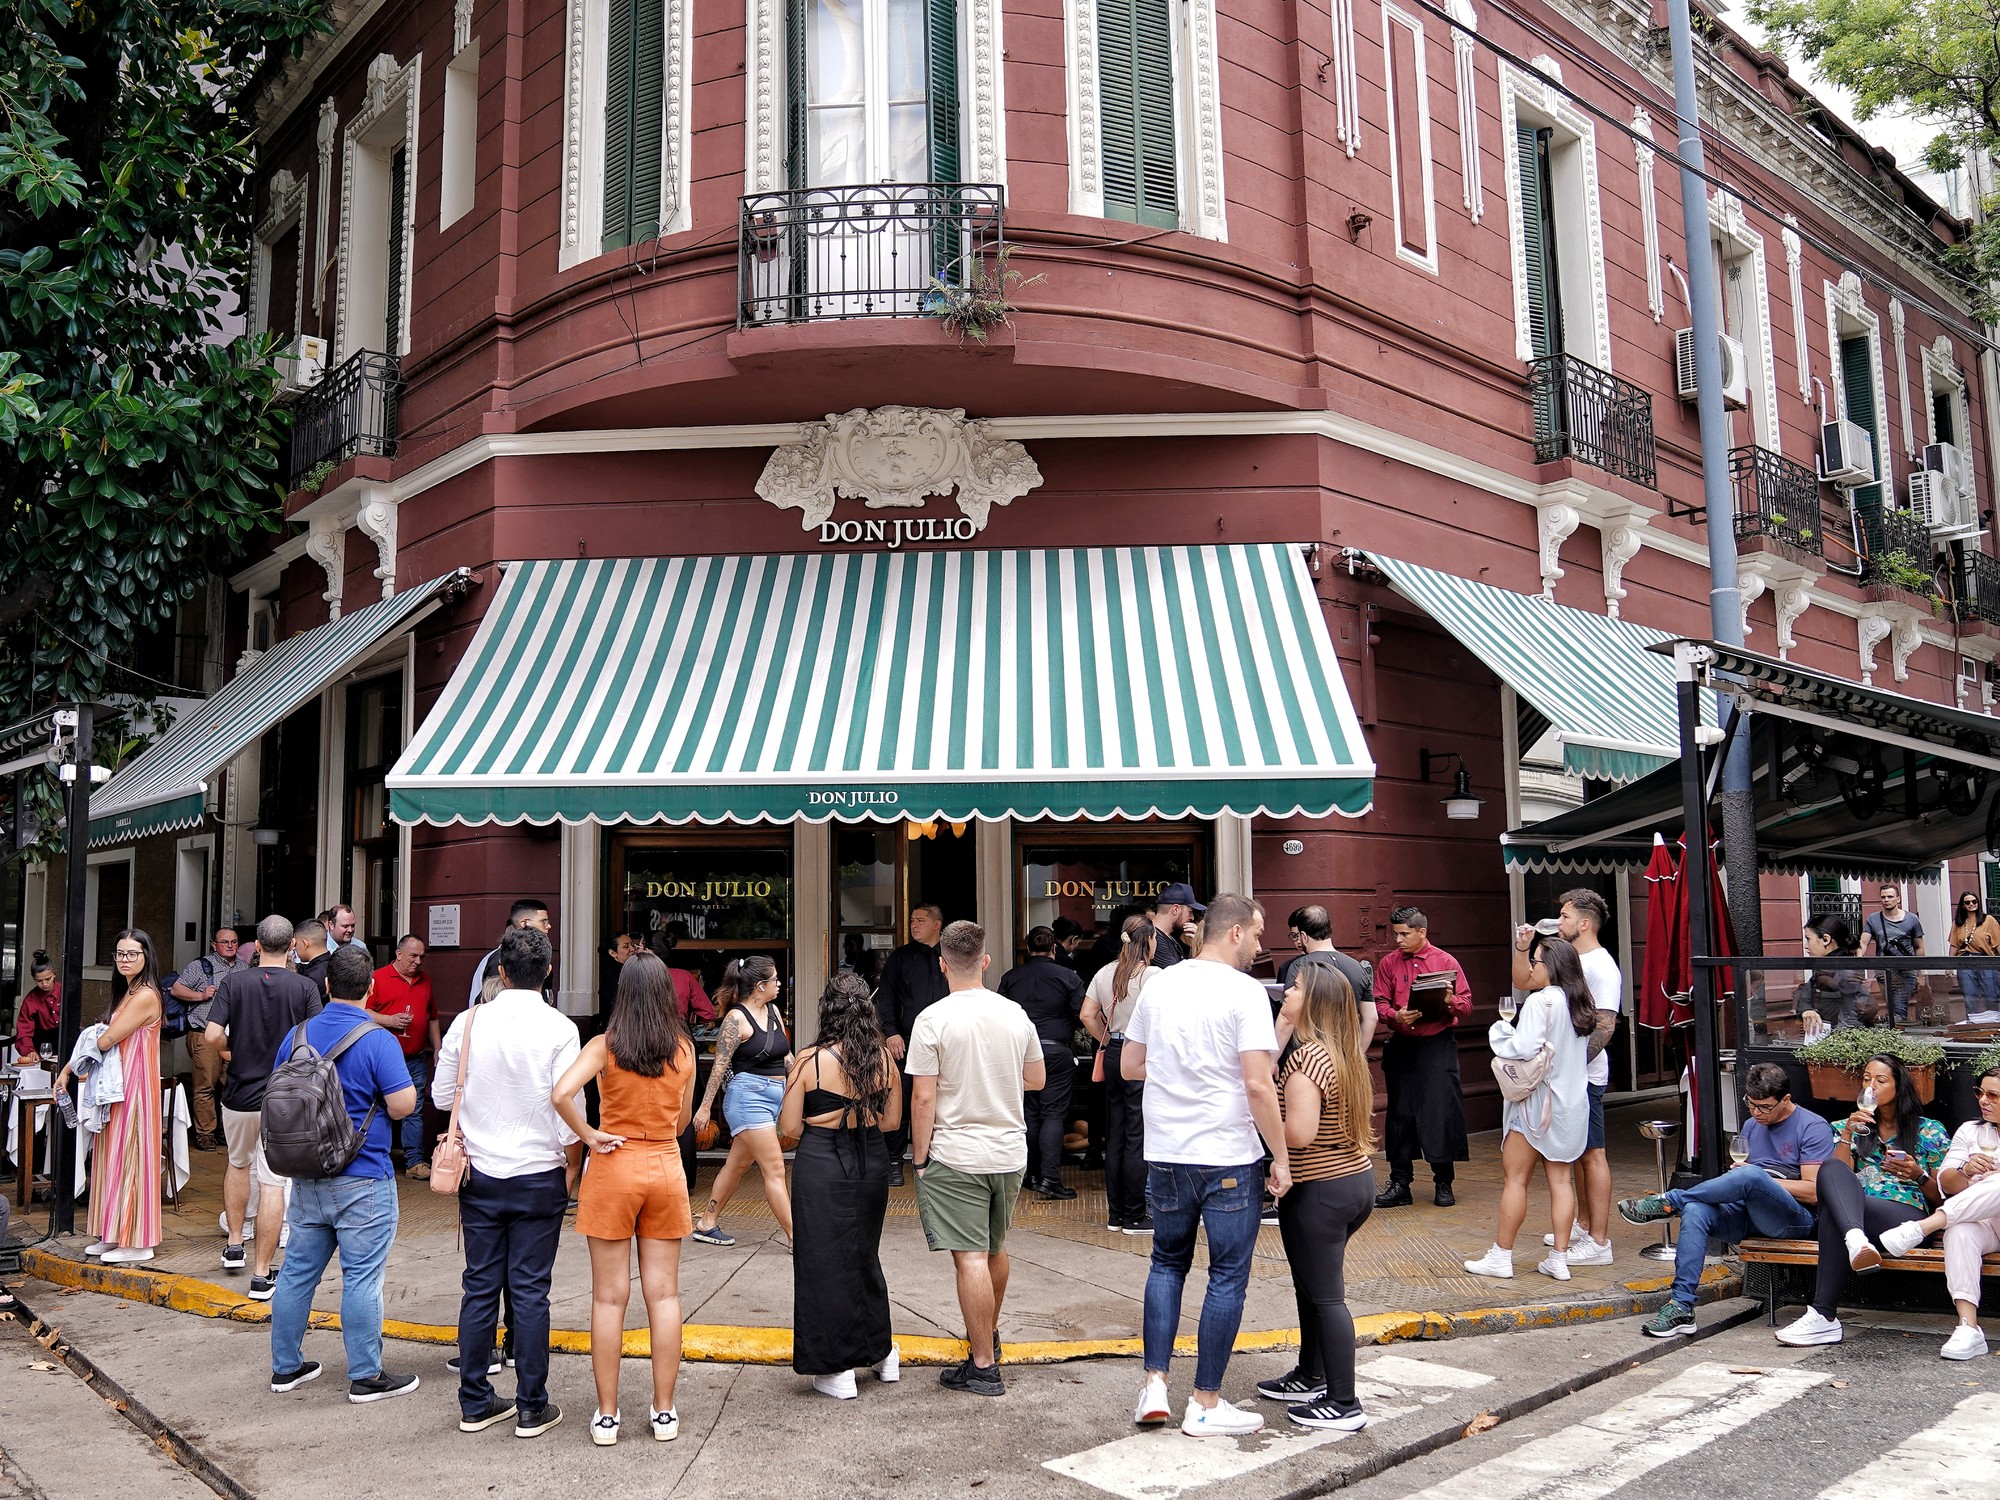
[1579, 1413]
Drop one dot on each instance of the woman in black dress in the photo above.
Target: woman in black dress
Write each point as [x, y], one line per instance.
[842, 1096]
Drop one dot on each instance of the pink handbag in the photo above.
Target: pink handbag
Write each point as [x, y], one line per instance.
[448, 1162]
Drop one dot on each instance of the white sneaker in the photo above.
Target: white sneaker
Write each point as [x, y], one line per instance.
[1860, 1254]
[1579, 1233]
[1555, 1266]
[99, 1248]
[604, 1429]
[1153, 1408]
[841, 1387]
[666, 1424]
[1810, 1329]
[1495, 1262]
[1967, 1341]
[1591, 1252]
[1219, 1420]
[1901, 1239]
[891, 1369]
[124, 1256]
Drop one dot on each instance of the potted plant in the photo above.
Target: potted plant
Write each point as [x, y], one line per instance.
[1896, 571]
[1834, 1063]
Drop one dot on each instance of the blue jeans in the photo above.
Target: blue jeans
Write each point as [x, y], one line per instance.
[1729, 1208]
[1225, 1201]
[357, 1216]
[411, 1137]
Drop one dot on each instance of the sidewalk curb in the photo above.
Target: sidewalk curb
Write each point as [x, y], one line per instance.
[720, 1343]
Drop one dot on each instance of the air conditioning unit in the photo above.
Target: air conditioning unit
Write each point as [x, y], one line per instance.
[301, 363]
[1945, 459]
[1735, 369]
[1951, 513]
[1846, 455]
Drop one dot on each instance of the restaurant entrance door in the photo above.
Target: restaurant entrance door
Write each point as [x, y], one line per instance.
[881, 870]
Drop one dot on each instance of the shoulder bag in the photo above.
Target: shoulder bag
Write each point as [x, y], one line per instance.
[448, 1162]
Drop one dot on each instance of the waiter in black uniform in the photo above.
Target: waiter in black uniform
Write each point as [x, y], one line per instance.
[1173, 912]
[912, 979]
[1053, 998]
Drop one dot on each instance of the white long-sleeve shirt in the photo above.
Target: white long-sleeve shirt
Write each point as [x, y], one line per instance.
[1545, 1018]
[520, 1047]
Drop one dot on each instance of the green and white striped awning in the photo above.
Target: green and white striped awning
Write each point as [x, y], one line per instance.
[927, 685]
[1609, 700]
[166, 786]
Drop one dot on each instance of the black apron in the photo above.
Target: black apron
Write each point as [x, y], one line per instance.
[1426, 1114]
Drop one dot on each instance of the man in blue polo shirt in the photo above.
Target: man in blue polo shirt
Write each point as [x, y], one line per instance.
[1772, 1194]
[354, 1213]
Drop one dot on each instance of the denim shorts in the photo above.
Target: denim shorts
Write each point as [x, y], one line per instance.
[1595, 1140]
[751, 1102]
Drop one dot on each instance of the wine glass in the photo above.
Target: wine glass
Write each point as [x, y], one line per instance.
[1739, 1150]
[1509, 1008]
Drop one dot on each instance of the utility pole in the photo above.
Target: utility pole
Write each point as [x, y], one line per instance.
[1725, 597]
[76, 862]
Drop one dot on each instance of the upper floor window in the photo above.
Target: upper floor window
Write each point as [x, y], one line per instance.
[626, 123]
[1745, 295]
[1854, 336]
[277, 293]
[873, 92]
[378, 212]
[1554, 225]
[1135, 52]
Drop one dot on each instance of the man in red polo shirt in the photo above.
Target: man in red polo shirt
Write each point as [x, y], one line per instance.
[401, 1000]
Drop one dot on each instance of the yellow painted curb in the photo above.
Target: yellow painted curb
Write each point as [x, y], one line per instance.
[721, 1343]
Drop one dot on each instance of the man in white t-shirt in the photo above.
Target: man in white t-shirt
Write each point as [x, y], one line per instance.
[1202, 1039]
[1583, 916]
[971, 1057]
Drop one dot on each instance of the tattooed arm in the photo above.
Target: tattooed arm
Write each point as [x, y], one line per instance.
[726, 1043]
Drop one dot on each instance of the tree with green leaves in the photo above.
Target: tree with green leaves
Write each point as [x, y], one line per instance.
[139, 447]
[1938, 60]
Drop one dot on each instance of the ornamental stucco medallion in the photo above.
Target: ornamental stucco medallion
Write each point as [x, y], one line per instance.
[895, 457]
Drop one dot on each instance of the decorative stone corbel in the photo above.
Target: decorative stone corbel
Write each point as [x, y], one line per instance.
[1901, 626]
[1749, 588]
[326, 544]
[1871, 629]
[1904, 639]
[377, 520]
[1621, 542]
[461, 26]
[1554, 524]
[1791, 600]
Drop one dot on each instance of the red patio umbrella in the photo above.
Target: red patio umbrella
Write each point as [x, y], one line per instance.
[1681, 975]
[1656, 975]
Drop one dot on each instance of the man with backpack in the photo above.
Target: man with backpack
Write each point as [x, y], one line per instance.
[253, 1010]
[330, 1127]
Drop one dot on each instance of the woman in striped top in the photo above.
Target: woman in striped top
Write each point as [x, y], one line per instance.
[1329, 1105]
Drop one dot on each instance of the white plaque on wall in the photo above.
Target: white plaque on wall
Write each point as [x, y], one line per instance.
[443, 927]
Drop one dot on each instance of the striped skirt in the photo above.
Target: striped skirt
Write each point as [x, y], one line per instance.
[125, 1161]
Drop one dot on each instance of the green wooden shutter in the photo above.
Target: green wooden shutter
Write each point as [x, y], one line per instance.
[1942, 415]
[1538, 238]
[392, 301]
[1857, 384]
[798, 170]
[634, 94]
[1136, 112]
[1989, 874]
[941, 40]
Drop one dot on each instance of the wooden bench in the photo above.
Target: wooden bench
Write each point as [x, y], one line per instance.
[1761, 1252]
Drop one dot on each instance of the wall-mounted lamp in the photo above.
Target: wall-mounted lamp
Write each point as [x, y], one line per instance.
[1461, 806]
[1358, 219]
[264, 838]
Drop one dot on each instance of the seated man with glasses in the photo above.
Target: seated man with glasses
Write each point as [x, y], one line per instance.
[1770, 1195]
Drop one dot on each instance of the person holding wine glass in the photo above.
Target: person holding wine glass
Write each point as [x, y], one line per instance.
[1969, 1217]
[1883, 1172]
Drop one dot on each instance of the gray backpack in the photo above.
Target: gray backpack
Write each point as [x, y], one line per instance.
[306, 1129]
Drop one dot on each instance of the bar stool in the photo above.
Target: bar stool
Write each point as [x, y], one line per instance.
[1659, 1132]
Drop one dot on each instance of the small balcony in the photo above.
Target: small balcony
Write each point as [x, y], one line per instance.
[1777, 501]
[1901, 555]
[820, 254]
[351, 413]
[1978, 589]
[1591, 416]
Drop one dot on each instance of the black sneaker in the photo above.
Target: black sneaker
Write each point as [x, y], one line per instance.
[492, 1369]
[380, 1388]
[261, 1288]
[969, 1378]
[1053, 1191]
[291, 1380]
[1324, 1414]
[498, 1412]
[1141, 1225]
[533, 1421]
[1291, 1388]
[1269, 1213]
[232, 1257]
[896, 1175]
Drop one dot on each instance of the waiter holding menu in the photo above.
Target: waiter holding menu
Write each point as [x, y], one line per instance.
[1420, 997]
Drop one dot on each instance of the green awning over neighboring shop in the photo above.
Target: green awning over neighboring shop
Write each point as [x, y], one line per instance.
[1090, 682]
[165, 786]
[1609, 700]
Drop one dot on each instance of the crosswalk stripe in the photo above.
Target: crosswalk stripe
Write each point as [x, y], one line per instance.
[1958, 1456]
[1602, 1453]
[1161, 1463]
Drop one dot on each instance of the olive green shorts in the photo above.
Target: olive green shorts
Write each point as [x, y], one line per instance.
[966, 1210]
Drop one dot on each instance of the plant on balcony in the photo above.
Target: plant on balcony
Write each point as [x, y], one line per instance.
[1898, 569]
[313, 478]
[974, 307]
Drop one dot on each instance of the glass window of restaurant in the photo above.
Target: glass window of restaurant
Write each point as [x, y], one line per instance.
[1096, 874]
[700, 899]
[881, 870]
[372, 843]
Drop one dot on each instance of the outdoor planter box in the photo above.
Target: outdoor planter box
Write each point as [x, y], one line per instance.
[1895, 593]
[1830, 1082]
[1759, 542]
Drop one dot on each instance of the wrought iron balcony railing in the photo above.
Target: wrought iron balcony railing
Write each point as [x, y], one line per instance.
[1978, 586]
[1776, 498]
[1900, 550]
[1590, 415]
[871, 251]
[349, 414]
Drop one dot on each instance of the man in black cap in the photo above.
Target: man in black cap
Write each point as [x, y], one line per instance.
[911, 981]
[1052, 996]
[1173, 912]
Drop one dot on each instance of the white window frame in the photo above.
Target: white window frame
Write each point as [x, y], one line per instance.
[458, 179]
[1848, 316]
[589, 24]
[96, 965]
[1527, 97]
[204, 925]
[1394, 16]
[388, 119]
[1197, 115]
[1736, 243]
[1942, 375]
[287, 212]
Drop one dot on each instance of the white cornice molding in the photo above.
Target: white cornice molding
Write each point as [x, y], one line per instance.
[298, 78]
[262, 575]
